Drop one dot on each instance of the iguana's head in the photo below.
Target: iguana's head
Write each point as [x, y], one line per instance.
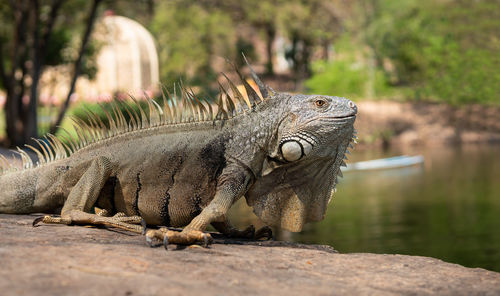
[303, 160]
[313, 127]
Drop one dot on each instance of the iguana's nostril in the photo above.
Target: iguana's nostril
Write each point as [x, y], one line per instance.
[352, 105]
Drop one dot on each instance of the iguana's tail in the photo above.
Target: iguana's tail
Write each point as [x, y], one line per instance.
[18, 192]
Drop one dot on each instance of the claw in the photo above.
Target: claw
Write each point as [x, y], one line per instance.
[144, 225]
[165, 242]
[149, 241]
[205, 240]
[250, 231]
[37, 220]
[264, 232]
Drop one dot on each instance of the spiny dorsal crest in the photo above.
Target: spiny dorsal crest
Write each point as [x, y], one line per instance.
[183, 108]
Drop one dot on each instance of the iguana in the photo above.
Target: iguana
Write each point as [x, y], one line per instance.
[187, 162]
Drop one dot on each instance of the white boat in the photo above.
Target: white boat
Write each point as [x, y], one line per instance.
[385, 163]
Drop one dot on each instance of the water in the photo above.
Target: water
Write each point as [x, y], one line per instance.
[449, 208]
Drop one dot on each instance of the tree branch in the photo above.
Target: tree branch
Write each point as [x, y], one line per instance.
[78, 65]
[18, 50]
[50, 25]
[3, 76]
[31, 119]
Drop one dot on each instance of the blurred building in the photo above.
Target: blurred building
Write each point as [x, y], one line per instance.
[127, 62]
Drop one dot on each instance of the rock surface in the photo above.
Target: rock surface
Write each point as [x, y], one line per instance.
[64, 260]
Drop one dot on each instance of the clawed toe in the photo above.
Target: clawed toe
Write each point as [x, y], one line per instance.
[77, 217]
[144, 226]
[249, 232]
[37, 220]
[165, 242]
[188, 237]
[206, 240]
[51, 220]
[149, 241]
[264, 232]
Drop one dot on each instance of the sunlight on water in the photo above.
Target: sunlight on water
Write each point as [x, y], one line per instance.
[449, 208]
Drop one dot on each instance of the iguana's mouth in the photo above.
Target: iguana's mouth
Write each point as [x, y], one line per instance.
[342, 117]
[339, 119]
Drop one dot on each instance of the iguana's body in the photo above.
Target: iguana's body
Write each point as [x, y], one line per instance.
[145, 176]
[190, 173]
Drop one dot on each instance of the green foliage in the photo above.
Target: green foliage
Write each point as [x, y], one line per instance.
[313, 21]
[89, 65]
[62, 49]
[64, 39]
[60, 39]
[344, 78]
[434, 50]
[246, 47]
[340, 77]
[189, 37]
[446, 51]
[345, 75]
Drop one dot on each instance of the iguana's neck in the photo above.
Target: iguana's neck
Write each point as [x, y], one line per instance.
[253, 136]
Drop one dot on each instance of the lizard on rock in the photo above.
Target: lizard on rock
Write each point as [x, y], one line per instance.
[187, 162]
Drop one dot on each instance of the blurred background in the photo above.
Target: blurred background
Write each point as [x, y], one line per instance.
[425, 75]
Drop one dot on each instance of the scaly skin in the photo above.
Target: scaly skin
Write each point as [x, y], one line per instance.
[283, 157]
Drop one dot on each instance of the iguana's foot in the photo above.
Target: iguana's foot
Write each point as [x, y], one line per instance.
[77, 217]
[185, 237]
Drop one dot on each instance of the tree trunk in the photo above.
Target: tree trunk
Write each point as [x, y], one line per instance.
[31, 119]
[306, 59]
[151, 8]
[370, 83]
[293, 52]
[326, 50]
[271, 35]
[10, 107]
[14, 124]
[38, 57]
[15, 86]
[78, 65]
[301, 51]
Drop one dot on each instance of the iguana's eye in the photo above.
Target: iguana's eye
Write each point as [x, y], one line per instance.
[320, 103]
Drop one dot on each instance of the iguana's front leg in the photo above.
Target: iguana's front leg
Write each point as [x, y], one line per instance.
[233, 184]
[82, 199]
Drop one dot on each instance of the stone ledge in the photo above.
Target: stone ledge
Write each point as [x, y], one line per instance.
[63, 260]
